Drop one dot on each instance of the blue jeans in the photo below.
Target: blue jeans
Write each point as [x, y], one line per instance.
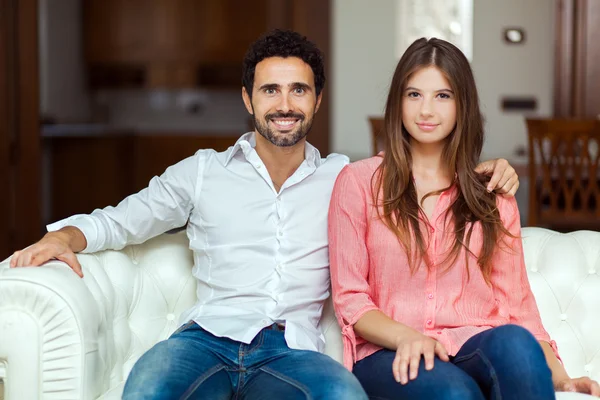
[505, 363]
[194, 364]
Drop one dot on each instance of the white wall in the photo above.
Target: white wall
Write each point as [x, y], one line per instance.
[363, 61]
[521, 70]
[364, 44]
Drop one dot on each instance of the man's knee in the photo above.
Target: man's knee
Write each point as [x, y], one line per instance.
[342, 386]
[148, 373]
[343, 389]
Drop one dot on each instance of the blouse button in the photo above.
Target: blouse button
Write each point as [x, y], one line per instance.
[429, 322]
[430, 296]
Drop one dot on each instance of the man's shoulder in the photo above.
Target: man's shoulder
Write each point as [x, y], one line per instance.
[332, 165]
[211, 155]
[336, 159]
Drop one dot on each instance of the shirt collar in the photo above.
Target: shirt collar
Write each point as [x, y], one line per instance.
[247, 141]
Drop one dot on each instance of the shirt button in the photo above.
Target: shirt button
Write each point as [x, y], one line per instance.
[258, 166]
[429, 322]
[430, 296]
[279, 267]
[170, 317]
[279, 233]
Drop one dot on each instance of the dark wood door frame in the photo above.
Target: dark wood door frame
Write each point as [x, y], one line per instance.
[563, 62]
[20, 199]
[576, 53]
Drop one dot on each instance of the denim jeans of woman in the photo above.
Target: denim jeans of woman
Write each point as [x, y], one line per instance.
[503, 363]
[194, 364]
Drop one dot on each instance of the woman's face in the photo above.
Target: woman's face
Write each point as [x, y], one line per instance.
[428, 106]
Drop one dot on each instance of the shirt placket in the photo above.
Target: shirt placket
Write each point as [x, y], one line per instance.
[435, 235]
[274, 288]
[431, 281]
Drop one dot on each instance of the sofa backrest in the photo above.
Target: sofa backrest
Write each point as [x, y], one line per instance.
[143, 289]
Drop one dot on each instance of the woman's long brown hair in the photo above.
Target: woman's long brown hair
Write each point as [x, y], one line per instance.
[394, 191]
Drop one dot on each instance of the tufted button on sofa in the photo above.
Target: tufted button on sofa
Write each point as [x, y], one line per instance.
[62, 337]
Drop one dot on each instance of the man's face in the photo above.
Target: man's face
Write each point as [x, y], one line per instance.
[284, 100]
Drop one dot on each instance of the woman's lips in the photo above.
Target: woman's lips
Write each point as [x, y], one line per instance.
[426, 126]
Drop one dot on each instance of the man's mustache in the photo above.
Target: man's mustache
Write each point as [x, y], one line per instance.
[293, 115]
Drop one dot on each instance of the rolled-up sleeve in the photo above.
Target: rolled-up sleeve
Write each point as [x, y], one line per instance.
[165, 204]
[349, 257]
[510, 276]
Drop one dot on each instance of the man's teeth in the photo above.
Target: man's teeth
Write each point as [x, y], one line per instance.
[285, 122]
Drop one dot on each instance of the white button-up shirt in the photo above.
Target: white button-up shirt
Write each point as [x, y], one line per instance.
[260, 256]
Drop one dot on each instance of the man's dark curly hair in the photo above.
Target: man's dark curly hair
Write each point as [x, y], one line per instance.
[283, 43]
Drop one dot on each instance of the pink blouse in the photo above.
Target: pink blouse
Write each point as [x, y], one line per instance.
[369, 271]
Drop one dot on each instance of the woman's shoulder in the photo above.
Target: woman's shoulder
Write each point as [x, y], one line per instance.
[365, 168]
[507, 206]
[359, 174]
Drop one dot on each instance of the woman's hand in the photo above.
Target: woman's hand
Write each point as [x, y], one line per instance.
[504, 178]
[410, 347]
[580, 385]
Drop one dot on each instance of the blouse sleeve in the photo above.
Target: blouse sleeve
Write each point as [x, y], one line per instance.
[510, 276]
[349, 257]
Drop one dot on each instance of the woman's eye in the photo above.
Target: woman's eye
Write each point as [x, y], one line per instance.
[444, 95]
[413, 94]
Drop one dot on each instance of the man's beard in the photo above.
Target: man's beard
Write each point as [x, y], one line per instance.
[287, 139]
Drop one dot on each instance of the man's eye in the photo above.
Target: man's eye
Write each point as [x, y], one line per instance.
[270, 91]
[299, 90]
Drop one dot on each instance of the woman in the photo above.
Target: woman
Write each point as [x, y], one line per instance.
[428, 276]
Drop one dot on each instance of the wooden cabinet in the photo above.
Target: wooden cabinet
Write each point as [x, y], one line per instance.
[171, 41]
[118, 31]
[230, 26]
[98, 171]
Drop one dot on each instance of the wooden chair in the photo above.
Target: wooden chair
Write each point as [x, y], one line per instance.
[564, 190]
[377, 139]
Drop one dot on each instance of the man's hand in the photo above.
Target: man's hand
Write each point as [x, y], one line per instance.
[504, 177]
[60, 245]
[580, 385]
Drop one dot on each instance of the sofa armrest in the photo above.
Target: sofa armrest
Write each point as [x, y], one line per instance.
[52, 326]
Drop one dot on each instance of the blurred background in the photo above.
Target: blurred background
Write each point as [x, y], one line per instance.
[98, 96]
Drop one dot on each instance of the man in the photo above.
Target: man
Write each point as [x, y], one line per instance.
[256, 218]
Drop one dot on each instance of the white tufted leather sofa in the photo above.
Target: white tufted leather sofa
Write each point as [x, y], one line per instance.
[62, 337]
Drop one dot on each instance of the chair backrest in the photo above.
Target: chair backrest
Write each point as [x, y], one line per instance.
[563, 172]
[377, 140]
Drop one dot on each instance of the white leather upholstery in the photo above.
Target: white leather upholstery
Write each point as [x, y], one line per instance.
[62, 337]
